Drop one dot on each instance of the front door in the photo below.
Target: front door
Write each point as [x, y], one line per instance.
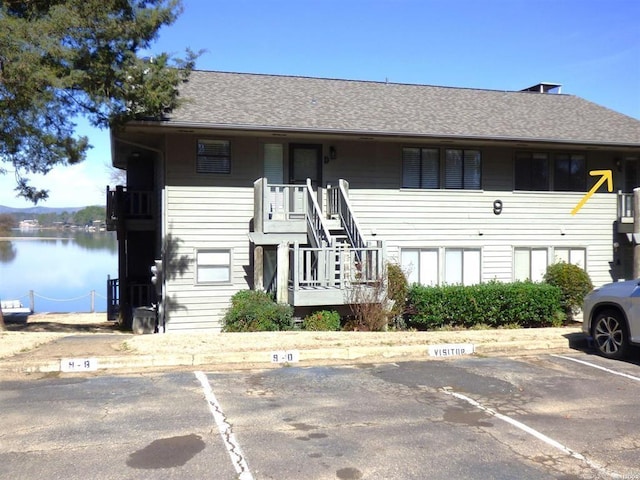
[305, 161]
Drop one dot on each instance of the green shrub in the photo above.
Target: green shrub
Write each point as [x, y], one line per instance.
[254, 311]
[573, 282]
[322, 320]
[495, 304]
[397, 289]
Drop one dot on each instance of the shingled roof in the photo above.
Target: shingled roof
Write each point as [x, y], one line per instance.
[287, 103]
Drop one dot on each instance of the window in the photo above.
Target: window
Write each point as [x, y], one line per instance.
[570, 173]
[461, 266]
[462, 169]
[213, 266]
[532, 171]
[536, 172]
[576, 256]
[420, 265]
[420, 168]
[529, 264]
[273, 163]
[213, 156]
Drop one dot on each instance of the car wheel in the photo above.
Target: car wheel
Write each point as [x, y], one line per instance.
[610, 334]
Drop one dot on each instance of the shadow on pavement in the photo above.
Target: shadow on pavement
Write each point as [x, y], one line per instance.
[62, 327]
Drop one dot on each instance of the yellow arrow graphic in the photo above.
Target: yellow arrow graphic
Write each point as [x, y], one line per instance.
[606, 176]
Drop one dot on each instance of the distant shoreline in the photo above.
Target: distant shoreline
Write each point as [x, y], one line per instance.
[8, 239]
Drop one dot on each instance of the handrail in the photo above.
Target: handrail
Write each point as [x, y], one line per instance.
[317, 227]
[339, 204]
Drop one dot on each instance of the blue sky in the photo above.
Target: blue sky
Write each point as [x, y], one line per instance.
[591, 47]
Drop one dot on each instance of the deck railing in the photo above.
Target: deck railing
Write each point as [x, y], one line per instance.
[140, 295]
[334, 267]
[125, 203]
[278, 204]
[625, 204]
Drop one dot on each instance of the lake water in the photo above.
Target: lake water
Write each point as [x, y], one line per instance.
[61, 269]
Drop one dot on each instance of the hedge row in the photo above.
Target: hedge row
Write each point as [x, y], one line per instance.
[495, 304]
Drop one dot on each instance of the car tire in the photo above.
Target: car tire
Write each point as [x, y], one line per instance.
[610, 335]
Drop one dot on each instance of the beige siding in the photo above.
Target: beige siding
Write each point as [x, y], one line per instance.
[465, 219]
[215, 211]
[207, 212]
[206, 218]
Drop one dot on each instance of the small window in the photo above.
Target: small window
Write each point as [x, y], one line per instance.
[532, 171]
[576, 256]
[213, 266]
[570, 173]
[462, 266]
[214, 156]
[420, 265]
[420, 168]
[463, 169]
[529, 264]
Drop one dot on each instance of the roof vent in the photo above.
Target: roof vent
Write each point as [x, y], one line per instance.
[544, 87]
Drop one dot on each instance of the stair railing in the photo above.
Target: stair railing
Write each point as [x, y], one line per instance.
[339, 205]
[316, 226]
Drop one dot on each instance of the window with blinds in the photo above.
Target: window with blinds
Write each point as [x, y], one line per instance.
[463, 169]
[213, 156]
[420, 168]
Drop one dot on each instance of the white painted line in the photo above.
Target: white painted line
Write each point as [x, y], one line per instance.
[229, 439]
[531, 431]
[604, 369]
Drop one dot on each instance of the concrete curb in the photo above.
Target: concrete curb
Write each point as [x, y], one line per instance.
[307, 357]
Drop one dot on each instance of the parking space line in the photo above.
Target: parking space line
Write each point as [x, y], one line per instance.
[229, 439]
[531, 431]
[608, 370]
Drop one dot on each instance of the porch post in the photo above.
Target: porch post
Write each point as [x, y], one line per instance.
[282, 269]
[258, 267]
[636, 232]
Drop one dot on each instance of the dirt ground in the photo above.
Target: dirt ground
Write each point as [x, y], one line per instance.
[38, 329]
[43, 328]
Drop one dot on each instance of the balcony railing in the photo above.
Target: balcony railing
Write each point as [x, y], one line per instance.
[124, 203]
[335, 267]
[140, 295]
[625, 205]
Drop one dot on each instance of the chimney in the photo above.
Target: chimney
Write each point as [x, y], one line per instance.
[544, 87]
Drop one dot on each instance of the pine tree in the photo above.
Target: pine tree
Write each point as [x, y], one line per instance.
[63, 59]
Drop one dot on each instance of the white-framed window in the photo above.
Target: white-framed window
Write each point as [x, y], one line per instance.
[213, 156]
[420, 265]
[575, 255]
[462, 266]
[213, 266]
[529, 263]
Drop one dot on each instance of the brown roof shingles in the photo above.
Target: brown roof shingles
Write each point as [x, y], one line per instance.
[237, 100]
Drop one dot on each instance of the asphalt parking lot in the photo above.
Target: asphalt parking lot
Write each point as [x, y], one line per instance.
[556, 416]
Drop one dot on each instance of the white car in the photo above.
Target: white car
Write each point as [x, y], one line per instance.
[612, 317]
